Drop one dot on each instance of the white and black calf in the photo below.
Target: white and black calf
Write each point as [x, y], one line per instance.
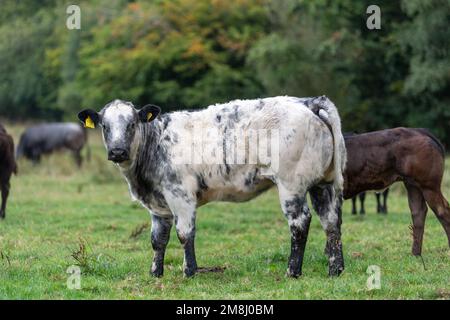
[303, 141]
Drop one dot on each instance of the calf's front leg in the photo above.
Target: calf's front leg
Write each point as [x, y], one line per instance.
[183, 209]
[160, 237]
[185, 225]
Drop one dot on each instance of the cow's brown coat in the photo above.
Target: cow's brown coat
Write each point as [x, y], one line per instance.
[8, 166]
[378, 159]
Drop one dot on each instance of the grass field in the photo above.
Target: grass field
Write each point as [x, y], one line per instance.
[55, 209]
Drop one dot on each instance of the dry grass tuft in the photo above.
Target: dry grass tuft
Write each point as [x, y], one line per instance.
[89, 261]
[4, 257]
[139, 230]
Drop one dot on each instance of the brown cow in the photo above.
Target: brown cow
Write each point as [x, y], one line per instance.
[378, 159]
[7, 166]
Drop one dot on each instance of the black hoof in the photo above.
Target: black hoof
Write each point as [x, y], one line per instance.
[190, 272]
[335, 272]
[292, 274]
[157, 272]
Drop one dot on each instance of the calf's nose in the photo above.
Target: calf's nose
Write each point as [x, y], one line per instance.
[118, 155]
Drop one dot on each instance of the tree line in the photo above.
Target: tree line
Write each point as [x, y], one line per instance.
[192, 53]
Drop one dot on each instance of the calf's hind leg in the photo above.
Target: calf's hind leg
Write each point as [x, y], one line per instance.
[379, 206]
[385, 196]
[160, 237]
[185, 225]
[295, 208]
[328, 205]
[440, 207]
[354, 200]
[419, 210]
[362, 199]
[183, 210]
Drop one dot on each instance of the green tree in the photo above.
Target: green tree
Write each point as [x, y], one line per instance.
[184, 53]
[23, 86]
[425, 38]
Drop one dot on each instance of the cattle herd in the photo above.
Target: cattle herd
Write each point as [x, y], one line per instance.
[176, 162]
[37, 141]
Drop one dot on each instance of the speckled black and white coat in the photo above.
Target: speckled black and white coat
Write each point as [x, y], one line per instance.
[310, 148]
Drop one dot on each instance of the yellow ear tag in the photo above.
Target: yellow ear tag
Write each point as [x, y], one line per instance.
[89, 123]
[149, 116]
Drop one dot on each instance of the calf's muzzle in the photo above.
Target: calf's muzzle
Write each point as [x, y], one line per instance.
[118, 155]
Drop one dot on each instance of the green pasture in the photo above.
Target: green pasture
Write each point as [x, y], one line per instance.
[59, 216]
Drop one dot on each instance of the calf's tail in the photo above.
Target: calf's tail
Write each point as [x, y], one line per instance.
[328, 113]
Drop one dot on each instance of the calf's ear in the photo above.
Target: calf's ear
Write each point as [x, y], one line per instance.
[89, 118]
[149, 113]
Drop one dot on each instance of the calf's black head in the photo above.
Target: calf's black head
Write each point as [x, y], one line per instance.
[120, 122]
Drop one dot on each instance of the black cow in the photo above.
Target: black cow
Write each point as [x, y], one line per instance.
[7, 166]
[47, 138]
